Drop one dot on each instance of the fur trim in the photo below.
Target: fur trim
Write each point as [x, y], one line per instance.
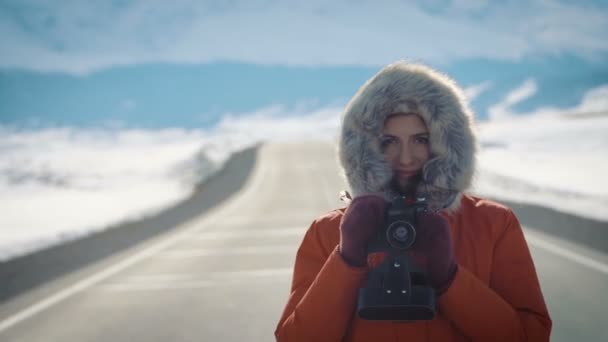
[407, 87]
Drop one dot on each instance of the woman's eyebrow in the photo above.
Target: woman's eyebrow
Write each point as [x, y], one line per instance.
[421, 134]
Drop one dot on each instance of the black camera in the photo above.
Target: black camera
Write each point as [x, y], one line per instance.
[397, 289]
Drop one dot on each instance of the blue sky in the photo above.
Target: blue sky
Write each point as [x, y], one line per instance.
[188, 63]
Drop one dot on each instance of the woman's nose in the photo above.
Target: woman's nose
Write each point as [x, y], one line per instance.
[406, 156]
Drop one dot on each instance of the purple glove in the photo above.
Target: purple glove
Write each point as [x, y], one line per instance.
[433, 250]
[363, 217]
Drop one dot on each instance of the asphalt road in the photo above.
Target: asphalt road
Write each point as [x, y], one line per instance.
[224, 275]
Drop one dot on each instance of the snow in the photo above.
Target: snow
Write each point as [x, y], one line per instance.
[57, 184]
[556, 161]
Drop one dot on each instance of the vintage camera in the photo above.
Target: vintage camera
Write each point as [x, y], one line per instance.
[397, 289]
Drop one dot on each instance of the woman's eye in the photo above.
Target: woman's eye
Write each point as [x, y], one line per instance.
[386, 141]
[422, 140]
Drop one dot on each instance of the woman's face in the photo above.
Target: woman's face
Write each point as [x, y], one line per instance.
[405, 144]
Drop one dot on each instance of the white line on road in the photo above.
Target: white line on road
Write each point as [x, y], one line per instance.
[139, 287]
[565, 253]
[224, 251]
[266, 219]
[248, 234]
[85, 283]
[249, 190]
[170, 277]
[186, 282]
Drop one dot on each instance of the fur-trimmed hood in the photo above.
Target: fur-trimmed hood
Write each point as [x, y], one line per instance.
[410, 88]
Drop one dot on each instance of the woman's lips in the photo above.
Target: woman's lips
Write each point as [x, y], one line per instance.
[407, 174]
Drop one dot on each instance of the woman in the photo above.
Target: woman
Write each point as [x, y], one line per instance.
[408, 132]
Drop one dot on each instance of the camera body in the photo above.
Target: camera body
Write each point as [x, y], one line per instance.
[399, 232]
[397, 289]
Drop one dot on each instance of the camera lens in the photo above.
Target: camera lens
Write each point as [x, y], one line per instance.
[401, 234]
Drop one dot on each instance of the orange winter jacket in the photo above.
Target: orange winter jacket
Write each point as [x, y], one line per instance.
[495, 295]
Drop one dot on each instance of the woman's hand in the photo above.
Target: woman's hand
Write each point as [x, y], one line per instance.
[433, 250]
[363, 217]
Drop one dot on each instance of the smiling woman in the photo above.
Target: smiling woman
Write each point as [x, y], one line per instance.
[406, 135]
[405, 144]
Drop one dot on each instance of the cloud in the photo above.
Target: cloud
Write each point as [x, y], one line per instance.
[502, 110]
[81, 37]
[475, 90]
[594, 102]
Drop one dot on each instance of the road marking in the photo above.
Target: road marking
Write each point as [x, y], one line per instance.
[565, 253]
[169, 277]
[214, 215]
[85, 283]
[254, 273]
[227, 251]
[212, 279]
[248, 234]
[264, 220]
[140, 287]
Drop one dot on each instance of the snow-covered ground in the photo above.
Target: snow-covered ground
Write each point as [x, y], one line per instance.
[59, 184]
[559, 162]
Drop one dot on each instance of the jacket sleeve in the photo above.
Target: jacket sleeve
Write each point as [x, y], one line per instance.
[323, 294]
[512, 308]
